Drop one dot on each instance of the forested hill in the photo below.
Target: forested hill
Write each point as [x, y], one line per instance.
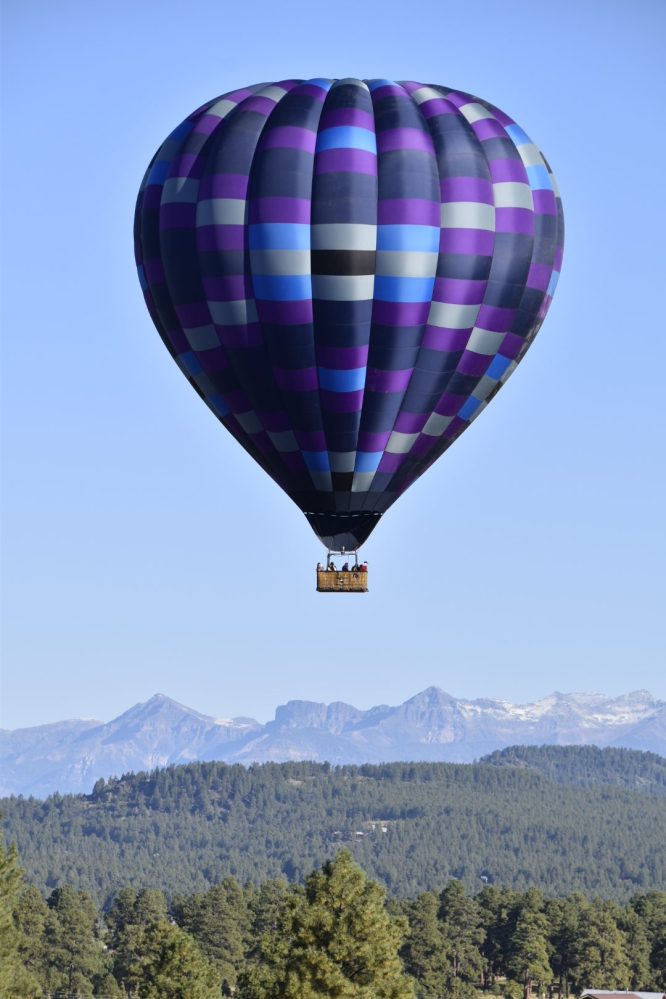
[411, 826]
[588, 766]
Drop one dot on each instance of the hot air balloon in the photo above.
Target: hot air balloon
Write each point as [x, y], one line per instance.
[347, 271]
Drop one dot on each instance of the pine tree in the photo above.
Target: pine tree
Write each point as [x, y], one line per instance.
[219, 922]
[75, 951]
[602, 962]
[338, 942]
[16, 982]
[528, 952]
[424, 951]
[463, 936]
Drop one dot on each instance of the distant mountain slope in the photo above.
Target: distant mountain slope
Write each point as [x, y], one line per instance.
[588, 766]
[411, 825]
[432, 725]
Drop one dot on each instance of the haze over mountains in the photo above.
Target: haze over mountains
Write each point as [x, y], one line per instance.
[69, 756]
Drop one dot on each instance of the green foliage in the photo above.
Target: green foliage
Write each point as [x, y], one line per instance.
[424, 952]
[588, 766]
[340, 942]
[413, 827]
[76, 957]
[527, 959]
[219, 921]
[16, 981]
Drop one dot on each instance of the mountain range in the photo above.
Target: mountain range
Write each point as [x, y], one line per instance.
[70, 756]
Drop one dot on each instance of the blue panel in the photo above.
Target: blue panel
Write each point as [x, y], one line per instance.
[320, 82]
[498, 366]
[539, 178]
[404, 289]
[159, 171]
[282, 287]
[143, 281]
[408, 237]
[552, 284]
[317, 461]
[517, 135]
[217, 403]
[337, 380]
[367, 461]
[279, 236]
[190, 362]
[346, 137]
[469, 408]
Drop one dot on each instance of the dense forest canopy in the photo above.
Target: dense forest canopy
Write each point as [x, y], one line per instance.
[412, 827]
[336, 936]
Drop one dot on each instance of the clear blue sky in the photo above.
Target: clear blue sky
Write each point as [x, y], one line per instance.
[143, 549]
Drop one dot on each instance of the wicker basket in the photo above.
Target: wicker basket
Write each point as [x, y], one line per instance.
[341, 582]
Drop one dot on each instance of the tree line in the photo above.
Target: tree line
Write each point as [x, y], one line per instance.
[411, 826]
[336, 936]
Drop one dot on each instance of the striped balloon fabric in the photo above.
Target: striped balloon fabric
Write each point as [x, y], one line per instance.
[347, 271]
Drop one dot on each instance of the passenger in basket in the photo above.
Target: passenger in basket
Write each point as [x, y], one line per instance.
[345, 567]
[364, 567]
[332, 566]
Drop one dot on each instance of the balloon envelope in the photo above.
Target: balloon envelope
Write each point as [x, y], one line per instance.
[347, 271]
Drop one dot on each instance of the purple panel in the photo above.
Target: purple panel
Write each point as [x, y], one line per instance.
[289, 137]
[280, 210]
[410, 423]
[449, 404]
[373, 443]
[511, 345]
[388, 381]
[467, 189]
[473, 364]
[498, 320]
[519, 220]
[539, 276]
[511, 171]
[477, 242]
[544, 202]
[223, 185]
[408, 211]
[435, 107]
[459, 292]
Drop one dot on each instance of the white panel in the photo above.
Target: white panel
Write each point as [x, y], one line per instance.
[451, 316]
[485, 341]
[436, 425]
[286, 262]
[238, 313]
[467, 215]
[510, 194]
[343, 236]
[475, 112]
[400, 443]
[221, 211]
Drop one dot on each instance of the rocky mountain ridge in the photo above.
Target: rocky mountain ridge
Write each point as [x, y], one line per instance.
[70, 756]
